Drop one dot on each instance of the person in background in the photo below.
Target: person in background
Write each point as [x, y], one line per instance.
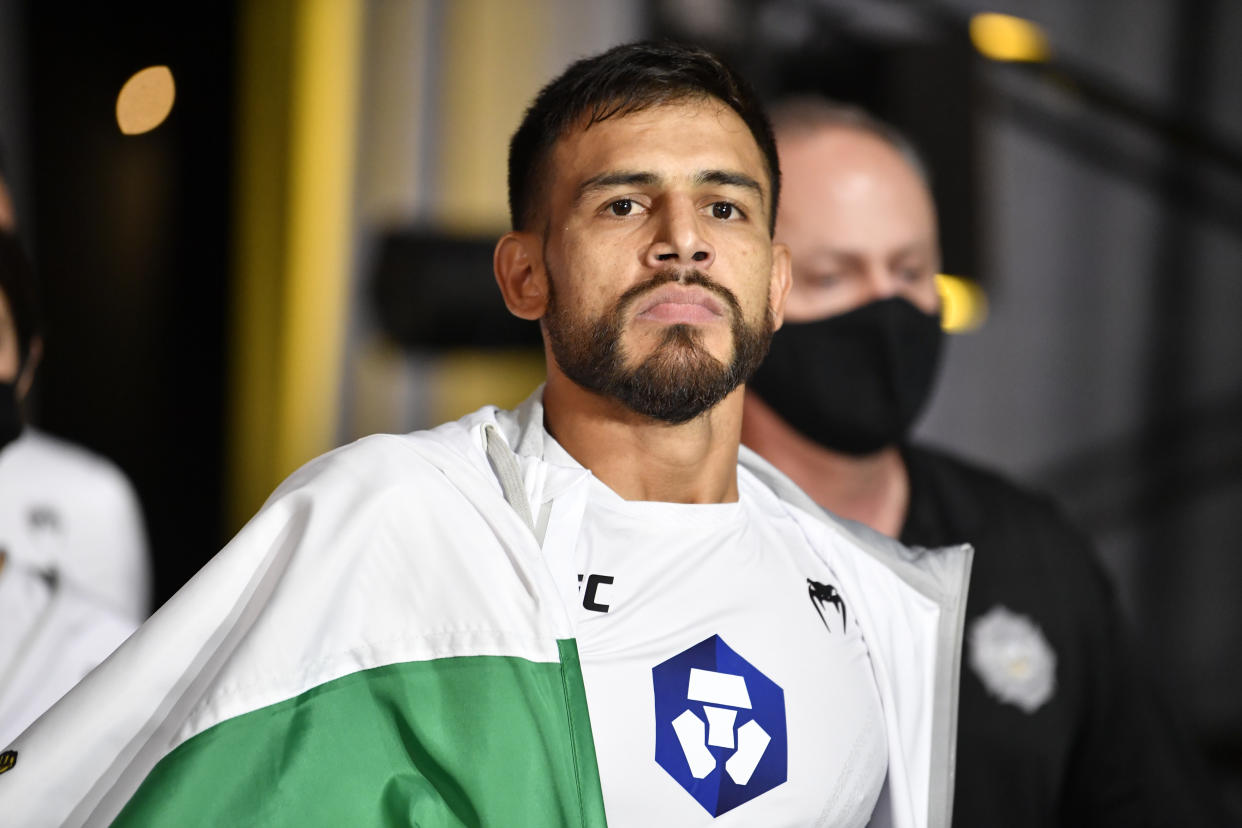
[1056, 724]
[73, 510]
[53, 631]
[595, 609]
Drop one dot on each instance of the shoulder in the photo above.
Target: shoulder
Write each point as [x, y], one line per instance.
[936, 572]
[1022, 537]
[421, 464]
[39, 452]
[984, 493]
[950, 468]
[56, 471]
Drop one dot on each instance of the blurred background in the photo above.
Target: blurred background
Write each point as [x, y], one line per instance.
[283, 242]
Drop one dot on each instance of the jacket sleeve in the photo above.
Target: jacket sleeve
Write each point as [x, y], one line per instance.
[80, 761]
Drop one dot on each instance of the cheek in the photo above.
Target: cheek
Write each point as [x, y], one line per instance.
[8, 362]
[926, 297]
[593, 271]
[756, 288]
[808, 303]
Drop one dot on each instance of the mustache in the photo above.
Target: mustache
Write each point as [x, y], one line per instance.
[693, 277]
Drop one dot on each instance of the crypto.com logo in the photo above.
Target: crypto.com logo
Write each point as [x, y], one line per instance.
[720, 726]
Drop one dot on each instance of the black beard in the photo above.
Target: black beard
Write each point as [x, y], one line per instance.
[680, 379]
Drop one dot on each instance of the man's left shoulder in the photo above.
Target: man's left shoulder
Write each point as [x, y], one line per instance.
[995, 497]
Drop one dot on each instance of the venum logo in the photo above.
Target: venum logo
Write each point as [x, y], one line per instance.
[824, 595]
[720, 726]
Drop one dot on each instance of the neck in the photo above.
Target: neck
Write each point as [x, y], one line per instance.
[644, 459]
[873, 489]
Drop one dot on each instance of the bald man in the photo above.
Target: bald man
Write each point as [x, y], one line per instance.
[1055, 725]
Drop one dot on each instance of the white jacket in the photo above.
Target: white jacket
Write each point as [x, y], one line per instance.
[67, 509]
[406, 575]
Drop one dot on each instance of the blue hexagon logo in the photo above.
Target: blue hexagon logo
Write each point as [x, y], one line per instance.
[720, 726]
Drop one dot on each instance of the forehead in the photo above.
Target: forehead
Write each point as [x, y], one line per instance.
[674, 140]
[844, 184]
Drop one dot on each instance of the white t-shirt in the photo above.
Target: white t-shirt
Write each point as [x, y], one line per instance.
[727, 683]
[52, 635]
[64, 507]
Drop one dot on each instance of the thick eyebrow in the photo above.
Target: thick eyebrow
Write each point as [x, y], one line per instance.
[727, 178]
[615, 178]
[632, 178]
[852, 257]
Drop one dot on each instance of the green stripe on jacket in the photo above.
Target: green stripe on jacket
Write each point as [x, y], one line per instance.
[464, 741]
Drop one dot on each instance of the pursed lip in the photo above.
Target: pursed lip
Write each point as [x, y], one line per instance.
[680, 303]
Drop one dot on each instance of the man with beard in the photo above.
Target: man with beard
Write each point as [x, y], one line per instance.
[587, 610]
[1056, 725]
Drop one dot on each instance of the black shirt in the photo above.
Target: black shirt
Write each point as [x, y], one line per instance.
[1056, 726]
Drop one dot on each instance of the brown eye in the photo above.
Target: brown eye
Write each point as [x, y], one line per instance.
[723, 210]
[621, 207]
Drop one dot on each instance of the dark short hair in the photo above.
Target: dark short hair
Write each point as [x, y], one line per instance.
[17, 284]
[621, 81]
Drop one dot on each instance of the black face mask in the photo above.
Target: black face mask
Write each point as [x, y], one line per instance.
[10, 414]
[855, 382]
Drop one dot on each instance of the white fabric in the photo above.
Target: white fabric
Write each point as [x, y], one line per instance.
[51, 636]
[409, 539]
[910, 606]
[678, 574]
[62, 506]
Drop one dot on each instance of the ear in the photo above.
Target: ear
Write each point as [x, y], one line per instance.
[523, 280]
[782, 281]
[25, 379]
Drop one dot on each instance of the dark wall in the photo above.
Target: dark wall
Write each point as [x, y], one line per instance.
[920, 77]
[131, 245]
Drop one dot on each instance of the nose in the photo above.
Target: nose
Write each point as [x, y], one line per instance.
[881, 282]
[679, 239]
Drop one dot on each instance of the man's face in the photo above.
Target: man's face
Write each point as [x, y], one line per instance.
[663, 287]
[859, 223]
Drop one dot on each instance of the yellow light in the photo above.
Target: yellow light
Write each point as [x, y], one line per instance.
[1004, 37]
[964, 306]
[145, 100]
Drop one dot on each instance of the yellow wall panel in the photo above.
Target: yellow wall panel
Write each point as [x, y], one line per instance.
[493, 57]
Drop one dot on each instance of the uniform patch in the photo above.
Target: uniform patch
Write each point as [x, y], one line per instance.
[823, 595]
[43, 518]
[1013, 659]
[720, 726]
